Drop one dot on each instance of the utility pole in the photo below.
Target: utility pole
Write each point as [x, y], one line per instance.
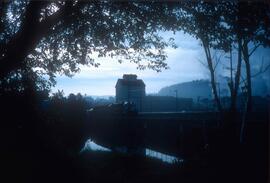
[231, 67]
[128, 94]
[218, 85]
[220, 100]
[219, 91]
[176, 96]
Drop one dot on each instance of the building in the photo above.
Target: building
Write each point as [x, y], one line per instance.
[130, 89]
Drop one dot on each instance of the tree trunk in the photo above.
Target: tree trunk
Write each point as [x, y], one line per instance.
[248, 75]
[25, 40]
[237, 78]
[212, 75]
[31, 32]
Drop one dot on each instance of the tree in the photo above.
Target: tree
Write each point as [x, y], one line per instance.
[253, 26]
[45, 37]
[225, 26]
[203, 21]
[248, 27]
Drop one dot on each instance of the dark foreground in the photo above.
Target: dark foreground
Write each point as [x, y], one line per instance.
[245, 163]
[44, 147]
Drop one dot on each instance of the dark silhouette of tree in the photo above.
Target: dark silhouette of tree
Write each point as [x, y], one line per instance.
[253, 29]
[203, 21]
[224, 26]
[45, 37]
[65, 117]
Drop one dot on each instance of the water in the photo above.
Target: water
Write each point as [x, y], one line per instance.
[164, 157]
[92, 146]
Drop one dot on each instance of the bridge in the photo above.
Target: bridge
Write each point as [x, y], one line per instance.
[178, 134]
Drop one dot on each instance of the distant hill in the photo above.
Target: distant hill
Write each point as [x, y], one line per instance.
[99, 96]
[100, 100]
[192, 89]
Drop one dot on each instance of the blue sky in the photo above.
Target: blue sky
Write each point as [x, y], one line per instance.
[183, 62]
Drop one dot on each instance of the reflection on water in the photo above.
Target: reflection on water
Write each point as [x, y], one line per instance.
[161, 156]
[92, 146]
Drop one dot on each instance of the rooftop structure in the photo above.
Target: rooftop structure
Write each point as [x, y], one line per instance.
[130, 89]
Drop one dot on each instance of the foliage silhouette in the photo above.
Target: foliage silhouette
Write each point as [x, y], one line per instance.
[58, 37]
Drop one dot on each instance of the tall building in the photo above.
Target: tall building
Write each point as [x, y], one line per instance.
[130, 89]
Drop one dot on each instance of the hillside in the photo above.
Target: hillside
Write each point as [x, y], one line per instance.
[192, 89]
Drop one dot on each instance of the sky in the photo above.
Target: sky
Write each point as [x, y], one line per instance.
[184, 65]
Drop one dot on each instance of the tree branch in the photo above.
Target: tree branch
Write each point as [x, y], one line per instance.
[29, 35]
[261, 71]
[217, 61]
[53, 19]
[17, 48]
[204, 64]
[254, 49]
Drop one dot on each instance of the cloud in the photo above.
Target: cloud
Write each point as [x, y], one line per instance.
[183, 63]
